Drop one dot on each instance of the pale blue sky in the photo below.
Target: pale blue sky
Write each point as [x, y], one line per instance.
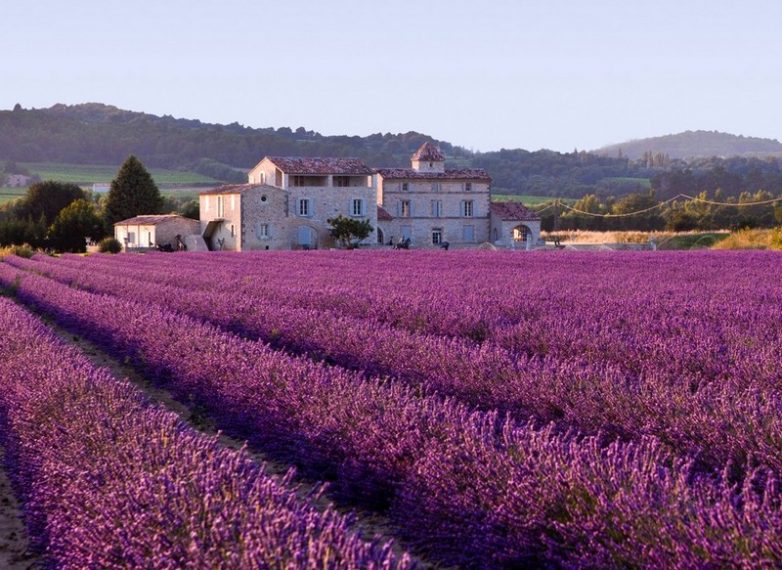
[486, 75]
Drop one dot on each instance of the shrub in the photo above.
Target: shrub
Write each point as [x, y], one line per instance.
[747, 239]
[109, 245]
[776, 238]
[20, 250]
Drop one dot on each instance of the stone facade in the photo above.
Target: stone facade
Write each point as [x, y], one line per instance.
[514, 227]
[431, 205]
[287, 203]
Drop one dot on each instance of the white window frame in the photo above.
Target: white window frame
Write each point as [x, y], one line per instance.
[357, 209]
[263, 231]
[405, 209]
[437, 236]
[304, 208]
[437, 208]
[468, 209]
[220, 206]
[436, 187]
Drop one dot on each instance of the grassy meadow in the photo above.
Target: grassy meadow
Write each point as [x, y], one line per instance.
[87, 174]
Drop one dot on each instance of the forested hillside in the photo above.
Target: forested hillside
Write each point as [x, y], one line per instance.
[99, 134]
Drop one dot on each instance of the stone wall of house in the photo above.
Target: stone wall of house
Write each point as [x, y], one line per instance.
[420, 224]
[502, 233]
[265, 206]
[227, 232]
[325, 203]
[166, 232]
[142, 236]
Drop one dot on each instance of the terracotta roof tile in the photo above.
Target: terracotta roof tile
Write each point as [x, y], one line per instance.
[512, 211]
[233, 189]
[410, 174]
[320, 165]
[383, 215]
[428, 152]
[151, 220]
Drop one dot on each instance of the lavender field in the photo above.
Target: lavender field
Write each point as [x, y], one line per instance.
[494, 410]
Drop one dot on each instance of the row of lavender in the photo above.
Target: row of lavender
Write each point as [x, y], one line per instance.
[471, 489]
[726, 408]
[110, 481]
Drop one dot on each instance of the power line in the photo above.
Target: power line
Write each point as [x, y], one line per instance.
[685, 197]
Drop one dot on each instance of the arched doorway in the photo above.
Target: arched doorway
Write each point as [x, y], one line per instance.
[306, 237]
[522, 233]
[380, 236]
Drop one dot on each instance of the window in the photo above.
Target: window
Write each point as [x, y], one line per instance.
[220, 206]
[341, 181]
[405, 186]
[233, 202]
[435, 186]
[405, 209]
[299, 181]
[467, 208]
[468, 234]
[468, 186]
[131, 237]
[305, 208]
[262, 231]
[437, 236]
[357, 207]
[278, 177]
[437, 208]
[233, 231]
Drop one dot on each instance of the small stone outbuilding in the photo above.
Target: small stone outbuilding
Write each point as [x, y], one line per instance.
[149, 232]
[514, 226]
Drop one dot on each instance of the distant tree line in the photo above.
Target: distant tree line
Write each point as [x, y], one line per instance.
[646, 212]
[101, 134]
[59, 216]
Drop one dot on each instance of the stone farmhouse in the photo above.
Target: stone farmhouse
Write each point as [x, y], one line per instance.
[431, 205]
[287, 202]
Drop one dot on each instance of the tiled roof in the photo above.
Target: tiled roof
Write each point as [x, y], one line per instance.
[428, 152]
[513, 211]
[320, 165]
[383, 215]
[232, 189]
[151, 220]
[410, 174]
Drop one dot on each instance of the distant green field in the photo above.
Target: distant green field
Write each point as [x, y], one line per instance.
[90, 174]
[643, 182]
[8, 194]
[526, 199]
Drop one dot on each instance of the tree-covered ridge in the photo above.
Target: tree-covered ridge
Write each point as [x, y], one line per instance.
[100, 134]
[695, 144]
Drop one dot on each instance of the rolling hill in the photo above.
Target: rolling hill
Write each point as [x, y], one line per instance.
[695, 144]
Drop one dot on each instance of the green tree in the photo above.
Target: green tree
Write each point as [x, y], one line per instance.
[348, 231]
[73, 225]
[47, 199]
[132, 193]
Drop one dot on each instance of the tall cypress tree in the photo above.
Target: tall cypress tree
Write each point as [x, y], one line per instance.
[133, 193]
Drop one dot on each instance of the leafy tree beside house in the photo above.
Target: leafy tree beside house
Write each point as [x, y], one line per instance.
[73, 225]
[47, 199]
[349, 231]
[132, 193]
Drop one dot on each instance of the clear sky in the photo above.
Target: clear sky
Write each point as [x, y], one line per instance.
[485, 75]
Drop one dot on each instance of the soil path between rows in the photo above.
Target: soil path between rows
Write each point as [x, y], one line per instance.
[14, 543]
